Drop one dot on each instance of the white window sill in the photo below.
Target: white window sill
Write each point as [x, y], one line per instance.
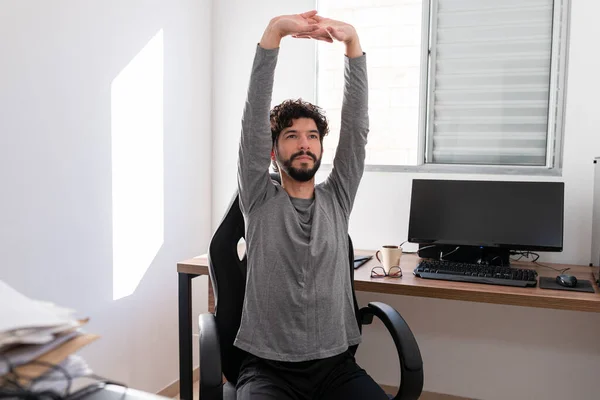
[460, 169]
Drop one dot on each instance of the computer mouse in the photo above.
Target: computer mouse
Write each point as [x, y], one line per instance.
[566, 280]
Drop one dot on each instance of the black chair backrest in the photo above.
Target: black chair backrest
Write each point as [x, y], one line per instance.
[228, 276]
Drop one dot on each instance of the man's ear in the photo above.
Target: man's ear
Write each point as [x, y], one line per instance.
[272, 154]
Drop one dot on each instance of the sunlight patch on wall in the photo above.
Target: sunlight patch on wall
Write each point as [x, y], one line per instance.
[137, 166]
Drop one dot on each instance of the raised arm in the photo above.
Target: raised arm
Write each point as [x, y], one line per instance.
[349, 161]
[254, 183]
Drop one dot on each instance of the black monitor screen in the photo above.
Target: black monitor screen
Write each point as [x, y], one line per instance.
[514, 215]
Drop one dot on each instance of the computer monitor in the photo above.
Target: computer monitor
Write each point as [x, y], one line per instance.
[484, 220]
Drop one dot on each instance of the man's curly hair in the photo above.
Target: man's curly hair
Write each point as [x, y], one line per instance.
[284, 114]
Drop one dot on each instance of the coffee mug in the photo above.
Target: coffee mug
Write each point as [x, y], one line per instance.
[390, 256]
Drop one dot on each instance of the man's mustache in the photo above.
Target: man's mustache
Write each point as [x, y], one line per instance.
[303, 153]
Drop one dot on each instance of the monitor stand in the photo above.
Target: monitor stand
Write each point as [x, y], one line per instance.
[466, 254]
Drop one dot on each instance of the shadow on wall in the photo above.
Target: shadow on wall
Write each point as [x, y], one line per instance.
[83, 168]
[100, 187]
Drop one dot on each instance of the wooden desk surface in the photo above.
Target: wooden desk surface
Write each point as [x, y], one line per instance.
[411, 285]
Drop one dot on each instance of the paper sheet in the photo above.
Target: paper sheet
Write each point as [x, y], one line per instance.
[20, 312]
[23, 354]
[74, 365]
[56, 356]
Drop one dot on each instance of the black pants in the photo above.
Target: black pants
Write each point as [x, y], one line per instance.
[332, 378]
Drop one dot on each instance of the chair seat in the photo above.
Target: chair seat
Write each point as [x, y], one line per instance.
[229, 391]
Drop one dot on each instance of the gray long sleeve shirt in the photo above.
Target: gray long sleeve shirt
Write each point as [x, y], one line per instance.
[298, 304]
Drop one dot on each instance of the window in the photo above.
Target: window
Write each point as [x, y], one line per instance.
[454, 83]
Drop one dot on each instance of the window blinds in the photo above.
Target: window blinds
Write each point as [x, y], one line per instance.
[489, 82]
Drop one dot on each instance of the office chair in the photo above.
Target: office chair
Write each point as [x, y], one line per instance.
[219, 357]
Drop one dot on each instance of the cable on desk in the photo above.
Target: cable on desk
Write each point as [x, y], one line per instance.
[527, 254]
[442, 255]
[492, 260]
[418, 250]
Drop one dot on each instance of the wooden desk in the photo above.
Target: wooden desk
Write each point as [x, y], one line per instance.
[408, 285]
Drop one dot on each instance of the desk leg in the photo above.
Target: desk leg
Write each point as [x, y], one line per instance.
[185, 337]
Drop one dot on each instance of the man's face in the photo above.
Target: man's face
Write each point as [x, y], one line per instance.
[298, 150]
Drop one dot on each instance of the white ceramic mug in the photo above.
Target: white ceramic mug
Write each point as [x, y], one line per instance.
[390, 256]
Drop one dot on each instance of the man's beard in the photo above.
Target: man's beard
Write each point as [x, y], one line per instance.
[300, 174]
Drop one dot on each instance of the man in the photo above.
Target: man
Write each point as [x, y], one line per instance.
[298, 318]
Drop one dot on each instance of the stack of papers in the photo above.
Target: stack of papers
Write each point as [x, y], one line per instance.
[34, 336]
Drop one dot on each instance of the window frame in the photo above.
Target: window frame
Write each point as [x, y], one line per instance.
[556, 101]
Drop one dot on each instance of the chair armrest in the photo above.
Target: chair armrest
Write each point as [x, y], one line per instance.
[211, 379]
[411, 363]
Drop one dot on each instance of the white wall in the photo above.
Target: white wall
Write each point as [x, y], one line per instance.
[58, 60]
[478, 350]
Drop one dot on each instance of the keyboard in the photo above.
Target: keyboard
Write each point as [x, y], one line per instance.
[478, 273]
